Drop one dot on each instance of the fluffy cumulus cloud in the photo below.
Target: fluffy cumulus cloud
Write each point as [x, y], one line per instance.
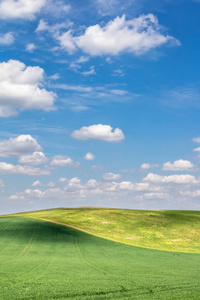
[20, 9]
[178, 165]
[6, 168]
[179, 179]
[62, 179]
[34, 159]
[20, 89]
[21, 145]
[6, 39]
[99, 132]
[111, 176]
[145, 166]
[137, 36]
[36, 183]
[89, 156]
[63, 161]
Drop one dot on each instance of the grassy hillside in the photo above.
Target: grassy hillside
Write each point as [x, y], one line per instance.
[42, 260]
[163, 230]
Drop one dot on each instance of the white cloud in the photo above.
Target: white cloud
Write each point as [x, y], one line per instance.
[20, 89]
[126, 186]
[182, 97]
[54, 77]
[145, 166]
[99, 132]
[20, 9]
[197, 139]
[151, 177]
[138, 36]
[91, 184]
[97, 168]
[91, 72]
[76, 88]
[179, 179]
[107, 7]
[51, 184]
[82, 59]
[61, 161]
[35, 159]
[23, 144]
[75, 180]
[1, 183]
[42, 26]
[192, 194]
[34, 193]
[53, 29]
[130, 186]
[156, 195]
[57, 8]
[118, 72]
[74, 185]
[178, 165]
[89, 156]
[6, 168]
[66, 41]
[76, 65]
[62, 179]
[30, 47]
[111, 176]
[36, 183]
[7, 38]
[119, 92]
[86, 96]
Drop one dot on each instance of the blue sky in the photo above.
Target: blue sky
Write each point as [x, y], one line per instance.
[99, 104]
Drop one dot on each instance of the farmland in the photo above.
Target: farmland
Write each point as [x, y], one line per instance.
[45, 260]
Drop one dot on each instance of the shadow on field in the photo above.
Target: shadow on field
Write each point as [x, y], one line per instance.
[24, 228]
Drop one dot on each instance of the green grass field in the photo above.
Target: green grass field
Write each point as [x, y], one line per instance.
[44, 260]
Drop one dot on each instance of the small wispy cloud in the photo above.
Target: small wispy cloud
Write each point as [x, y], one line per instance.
[7, 39]
[31, 47]
[90, 72]
[82, 97]
[182, 97]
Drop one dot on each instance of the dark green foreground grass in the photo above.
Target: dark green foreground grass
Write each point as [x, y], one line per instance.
[42, 260]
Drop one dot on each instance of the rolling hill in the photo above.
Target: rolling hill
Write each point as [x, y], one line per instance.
[162, 230]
